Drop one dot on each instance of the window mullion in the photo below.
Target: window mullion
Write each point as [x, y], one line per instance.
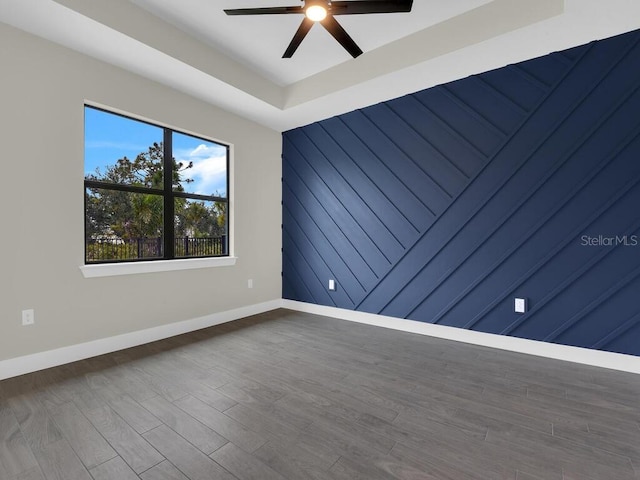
[122, 187]
[169, 203]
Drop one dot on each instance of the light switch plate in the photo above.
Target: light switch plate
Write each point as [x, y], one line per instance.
[332, 285]
[521, 305]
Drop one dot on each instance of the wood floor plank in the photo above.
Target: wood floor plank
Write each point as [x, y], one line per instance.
[351, 401]
[38, 387]
[292, 460]
[134, 449]
[191, 461]
[170, 389]
[636, 467]
[614, 399]
[133, 376]
[306, 397]
[520, 475]
[284, 415]
[625, 443]
[582, 459]
[389, 468]
[557, 410]
[89, 445]
[140, 419]
[484, 417]
[15, 455]
[36, 424]
[264, 425]
[457, 461]
[350, 438]
[198, 434]
[415, 432]
[114, 469]
[243, 465]
[220, 423]
[163, 471]
[31, 474]
[125, 379]
[603, 411]
[569, 474]
[215, 377]
[348, 404]
[59, 462]
[77, 390]
[442, 441]
[248, 391]
[211, 397]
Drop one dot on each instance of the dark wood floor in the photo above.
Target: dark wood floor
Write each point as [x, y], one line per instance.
[286, 395]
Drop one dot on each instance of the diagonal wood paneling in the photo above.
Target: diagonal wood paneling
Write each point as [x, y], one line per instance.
[444, 205]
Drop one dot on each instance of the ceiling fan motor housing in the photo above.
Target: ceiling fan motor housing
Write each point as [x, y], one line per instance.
[323, 11]
[321, 3]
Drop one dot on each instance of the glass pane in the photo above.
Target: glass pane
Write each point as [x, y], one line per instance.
[200, 166]
[200, 228]
[121, 150]
[122, 225]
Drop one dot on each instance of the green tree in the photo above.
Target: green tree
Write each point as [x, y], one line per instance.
[144, 171]
[197, 219]
[129, 215]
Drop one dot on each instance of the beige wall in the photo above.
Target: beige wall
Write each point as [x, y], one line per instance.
[43, 88]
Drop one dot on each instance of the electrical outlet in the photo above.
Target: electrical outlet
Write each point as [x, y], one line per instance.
[332, 285]
[250, 283]
[28, 317]
[520, 305]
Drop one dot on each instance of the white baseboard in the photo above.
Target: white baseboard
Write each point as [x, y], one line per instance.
[52, 358]
[39, 361]
[586, 356]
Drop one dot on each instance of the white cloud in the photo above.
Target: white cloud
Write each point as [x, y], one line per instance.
[209, 171]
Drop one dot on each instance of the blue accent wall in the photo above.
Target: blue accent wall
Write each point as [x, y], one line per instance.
[444, 205]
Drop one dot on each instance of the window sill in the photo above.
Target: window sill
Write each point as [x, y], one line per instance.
[132, 268]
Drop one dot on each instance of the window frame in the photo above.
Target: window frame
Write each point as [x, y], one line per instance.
[169, 261]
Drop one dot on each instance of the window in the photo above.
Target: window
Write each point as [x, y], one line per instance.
[152, 193]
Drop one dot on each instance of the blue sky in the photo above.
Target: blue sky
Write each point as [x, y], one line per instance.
[110, 137]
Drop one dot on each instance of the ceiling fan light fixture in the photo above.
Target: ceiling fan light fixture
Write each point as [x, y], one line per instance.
[324, 11]
[316, 13]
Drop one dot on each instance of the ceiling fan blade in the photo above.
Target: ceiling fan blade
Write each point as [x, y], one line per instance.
[264, 11]
[339, 33]
[303, 29]
[370, 6]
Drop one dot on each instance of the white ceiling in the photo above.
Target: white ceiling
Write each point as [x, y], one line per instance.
[235, 62]
[259, 41]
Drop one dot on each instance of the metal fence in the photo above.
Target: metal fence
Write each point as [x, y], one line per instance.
[99, 250]
[199, 247]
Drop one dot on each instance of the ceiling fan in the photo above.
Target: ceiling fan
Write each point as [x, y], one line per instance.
[323, 11]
